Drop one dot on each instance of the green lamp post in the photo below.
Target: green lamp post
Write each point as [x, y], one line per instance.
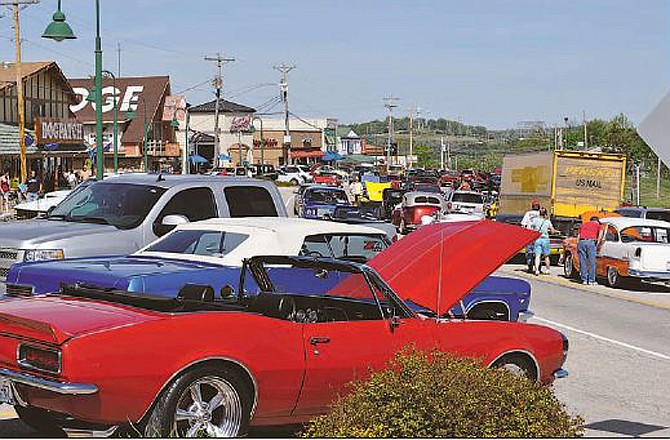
[59, 30]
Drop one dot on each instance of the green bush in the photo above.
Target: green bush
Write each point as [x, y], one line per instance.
[437, 395]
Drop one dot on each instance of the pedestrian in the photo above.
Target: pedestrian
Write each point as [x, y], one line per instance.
[542, 246]
[33, 187]
[586, 249]
[465, 186]
[526, 222]
[5, 190]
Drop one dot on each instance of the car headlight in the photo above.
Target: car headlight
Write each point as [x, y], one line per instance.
[43, 254]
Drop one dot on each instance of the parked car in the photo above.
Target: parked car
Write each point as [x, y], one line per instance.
[292, 178]
[391, 197]
[121, 214]
[263, 171]
[300, 170]
[196, 253]
[327, 178]
[39, 207]
[298, 194]
[631, 249]
[644, 212]
[407, 216]
[467, 202]
[368, 215]
[91, 360]
[320, 201]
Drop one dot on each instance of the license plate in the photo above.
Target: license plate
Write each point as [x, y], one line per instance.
[6, 392]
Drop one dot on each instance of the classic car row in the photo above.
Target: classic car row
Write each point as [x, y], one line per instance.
[193, 336]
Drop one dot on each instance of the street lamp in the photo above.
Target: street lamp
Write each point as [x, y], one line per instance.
[256, 118]
[132, 115]
[59, 30]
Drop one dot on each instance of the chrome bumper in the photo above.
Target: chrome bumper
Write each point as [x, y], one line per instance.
[90, 433]
[55, 386]
[560, 374]
[525, 316]
[661, 276]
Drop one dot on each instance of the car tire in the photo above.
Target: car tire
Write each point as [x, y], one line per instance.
[295, 182]
[568, 267]
[40, 420]
[191, 395]
[613, 278]
[518, 365]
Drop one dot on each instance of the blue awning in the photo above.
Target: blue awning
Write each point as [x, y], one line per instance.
[331, 156]
[196, 158]
[224, 157]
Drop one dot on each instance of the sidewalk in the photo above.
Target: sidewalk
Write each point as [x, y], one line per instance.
[651, 294]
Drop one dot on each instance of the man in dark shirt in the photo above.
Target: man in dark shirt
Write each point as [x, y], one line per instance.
[34, 186]
[586, 248]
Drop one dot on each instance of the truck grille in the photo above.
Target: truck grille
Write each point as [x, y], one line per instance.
[7, 258]
[19, 290]
[8, 255]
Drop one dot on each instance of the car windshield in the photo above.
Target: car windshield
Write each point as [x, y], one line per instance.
[659, 215]
[467, 198]
[327, 197]
[351, 247]
[122, 205]
[645, 234]
[427, 188]
[199, 242]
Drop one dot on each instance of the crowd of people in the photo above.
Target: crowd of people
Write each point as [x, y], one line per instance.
[13, 191]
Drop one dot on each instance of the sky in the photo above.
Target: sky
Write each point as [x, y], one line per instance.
[488, 62]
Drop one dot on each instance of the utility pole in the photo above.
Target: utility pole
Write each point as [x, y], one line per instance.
[658, 178]
[284, 69]
[586, 134]
[389, 104]
[19, 83]
[448, 155]
[442, 153]
[411, 136]
[118, 59]
[218, 84]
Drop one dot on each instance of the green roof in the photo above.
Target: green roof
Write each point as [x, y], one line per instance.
[9, 140]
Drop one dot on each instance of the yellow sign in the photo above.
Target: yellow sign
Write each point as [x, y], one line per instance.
[376, 190]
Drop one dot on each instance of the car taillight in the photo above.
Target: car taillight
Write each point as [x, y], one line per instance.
[37, 358]
[449, 205]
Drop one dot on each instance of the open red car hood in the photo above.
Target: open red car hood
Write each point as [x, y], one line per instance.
[438, 265]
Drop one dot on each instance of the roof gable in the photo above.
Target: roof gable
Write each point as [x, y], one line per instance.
[224, 107]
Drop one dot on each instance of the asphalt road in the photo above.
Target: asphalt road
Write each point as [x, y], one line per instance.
[619, 360]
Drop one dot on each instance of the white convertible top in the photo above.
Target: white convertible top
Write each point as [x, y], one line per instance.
[266, 236]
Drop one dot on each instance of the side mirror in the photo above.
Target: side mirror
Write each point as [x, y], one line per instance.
[174, 220]
[50, 210]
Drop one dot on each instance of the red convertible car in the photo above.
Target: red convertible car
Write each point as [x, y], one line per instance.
[276, 349]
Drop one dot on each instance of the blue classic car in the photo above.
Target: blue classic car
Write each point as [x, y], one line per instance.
[202, 258]
[320, 202]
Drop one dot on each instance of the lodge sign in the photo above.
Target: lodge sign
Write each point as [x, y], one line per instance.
[59, 131]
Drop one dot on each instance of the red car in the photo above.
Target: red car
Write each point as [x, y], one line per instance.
[407, 215]
[274, 350]
[327, 178]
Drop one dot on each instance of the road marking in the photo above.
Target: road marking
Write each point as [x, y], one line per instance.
[605, 339]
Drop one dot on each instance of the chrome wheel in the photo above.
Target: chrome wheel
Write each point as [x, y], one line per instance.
[515, 369]
[208, 407]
